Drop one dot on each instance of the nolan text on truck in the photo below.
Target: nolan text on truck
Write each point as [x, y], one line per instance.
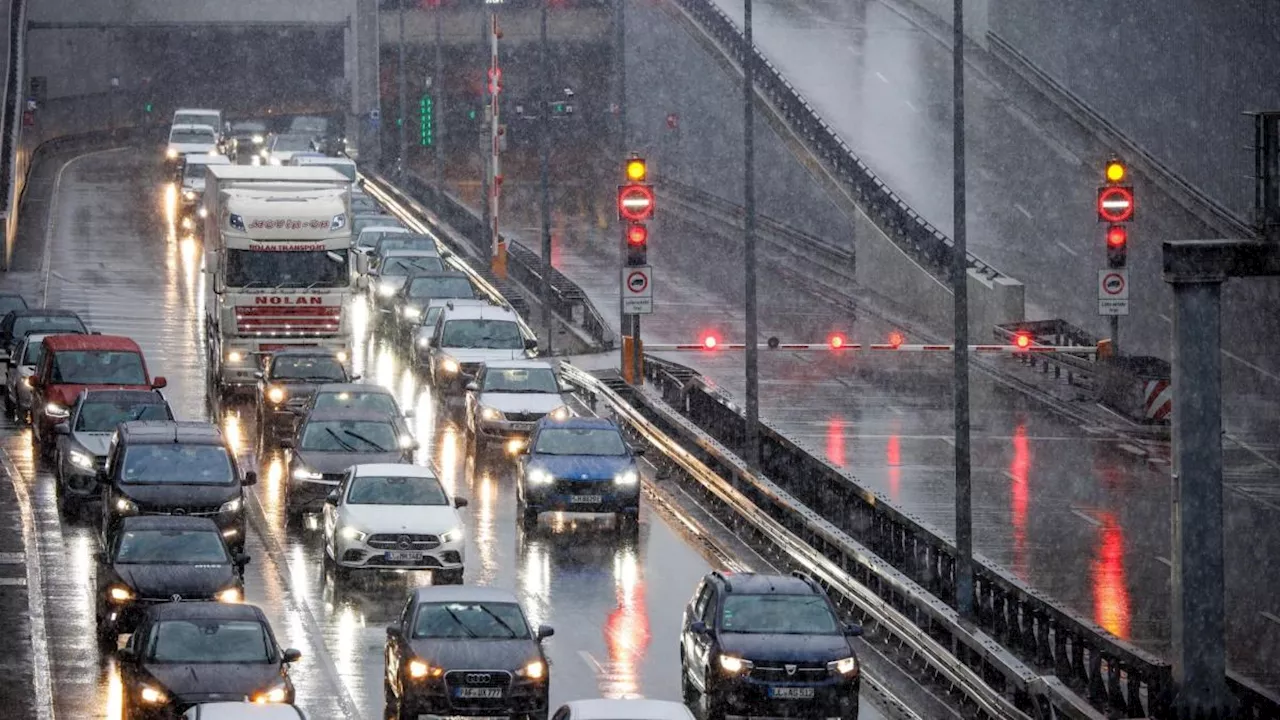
[279, 252]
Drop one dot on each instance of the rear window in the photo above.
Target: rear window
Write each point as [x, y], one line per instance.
[371, 401]
[46, 323]
[192, 136]
[32, 354]
[98, 367]
[442, 287]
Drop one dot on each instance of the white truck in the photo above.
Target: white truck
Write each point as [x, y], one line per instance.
[278, 255]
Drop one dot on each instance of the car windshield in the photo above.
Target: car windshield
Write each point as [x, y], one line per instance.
[300, 269]
[403, 241]
[195, 118]
[10, 303]
[291, 143]
[47, 324]
[489, 334]
[372, 401]
[349, 436]
[178, 464]
[470, 620]
[32, 353]
[309, 125]
[520, 380]
[178, 547]
[98, 367]
[206, 640]
[400, 266]
[194, 171]
[580, 441]
[396, 491]
[778, 614]
[248, 128]
[194, 136]
[321, 367]
[104, 416]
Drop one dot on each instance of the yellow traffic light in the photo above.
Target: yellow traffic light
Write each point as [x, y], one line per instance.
[636, 170]
[1115, 171]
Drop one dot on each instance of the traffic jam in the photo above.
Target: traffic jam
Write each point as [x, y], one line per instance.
[306, 275]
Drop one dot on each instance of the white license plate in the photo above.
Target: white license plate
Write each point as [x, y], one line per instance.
[395, 556]
[585, 499]
[791, 693]
[479, 693]
[425, 716]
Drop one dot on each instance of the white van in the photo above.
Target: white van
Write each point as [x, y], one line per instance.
[200, 116]
[185, 139]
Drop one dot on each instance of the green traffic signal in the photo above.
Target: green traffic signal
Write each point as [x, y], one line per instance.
[147, 108]
[426, 121]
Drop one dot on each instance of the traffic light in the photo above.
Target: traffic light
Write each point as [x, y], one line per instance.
[1117, 246]
[1115, 201]
[637, 245]
[635, 198]
[426, 121]
[637, 171]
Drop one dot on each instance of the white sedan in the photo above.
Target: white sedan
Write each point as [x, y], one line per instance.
[391, 516]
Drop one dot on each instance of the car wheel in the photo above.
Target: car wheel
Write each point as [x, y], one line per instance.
[528, 515]
[107, 635]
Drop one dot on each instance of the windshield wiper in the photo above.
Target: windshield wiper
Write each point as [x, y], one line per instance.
[364, 439]
[343, 443]
[499, 620]
[464, 626]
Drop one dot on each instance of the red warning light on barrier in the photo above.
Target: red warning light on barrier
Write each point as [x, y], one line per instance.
[836, 341]
[1022, 340]
[710, 342]
[896, 339]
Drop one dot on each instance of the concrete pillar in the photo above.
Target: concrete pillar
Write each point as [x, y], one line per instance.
[364, 92]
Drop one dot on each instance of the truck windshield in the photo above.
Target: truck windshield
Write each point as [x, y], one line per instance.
[306, 269]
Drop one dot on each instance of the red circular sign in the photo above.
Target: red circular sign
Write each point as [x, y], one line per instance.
[1115, 204]
[1113, 283]
[637, 281]
[635, 202]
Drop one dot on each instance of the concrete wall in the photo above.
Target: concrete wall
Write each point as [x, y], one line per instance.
[1172, 75]
[188, 12]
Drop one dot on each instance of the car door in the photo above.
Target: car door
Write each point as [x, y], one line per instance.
[473, 401]
[332, 511]
[396, 643]
[692, 612]
[701, 644]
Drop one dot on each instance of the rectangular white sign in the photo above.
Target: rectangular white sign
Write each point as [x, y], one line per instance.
[1113, 292]
[637, 290]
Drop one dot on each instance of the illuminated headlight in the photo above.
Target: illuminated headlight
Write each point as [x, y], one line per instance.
[81, 460]
[276, 394]
[231, 506]
[29, 381]
[340, 356]
[387, 289]
[338, 222]
[171, 154]
[538, 476]
[187, 224]
[535, 670]
[153, 696]
[273, 694]
[560, 413]
[488, 413]
[734, 665]
[203, 211]
[125, 506]
[213, 151]
[449, 365]
[235, 356]
[274, 161]
[846, 666]
[265, 153]
[120, 594]
[303, 473]
[411, 313]
[230, 595]
[406, 442]
[258, 139]
[452, 535]
[189, 194]
[350, 533]
[55, 410]
[418, 669]
[515, 445]
[629, 477]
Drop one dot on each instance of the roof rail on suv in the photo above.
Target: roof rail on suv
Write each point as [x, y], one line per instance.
[727, 585]
[808, 581]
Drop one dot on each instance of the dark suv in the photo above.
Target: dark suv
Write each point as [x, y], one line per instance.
[768, 645]
[174, 468]
[286, 381]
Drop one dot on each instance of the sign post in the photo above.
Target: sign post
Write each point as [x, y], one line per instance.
[635, 209]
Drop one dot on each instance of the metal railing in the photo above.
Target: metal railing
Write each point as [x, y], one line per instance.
[11, 125]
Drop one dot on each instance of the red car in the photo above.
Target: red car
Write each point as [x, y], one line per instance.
[72, 363]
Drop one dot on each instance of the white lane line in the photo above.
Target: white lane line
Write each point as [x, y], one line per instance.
[1133, 450]
[41, 677]
[18, 581]
[53, 217]
[1165, 318]
[591, 662]
[12, 558]
[1270, 617]
[883, 79]
[1023, 210]
[913, 107]
[1063, 245]
[1165, 560]
[1086, 517]
[1250, 365]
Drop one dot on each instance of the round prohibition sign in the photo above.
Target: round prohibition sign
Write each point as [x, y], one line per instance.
[1113, 283]
[637, 281]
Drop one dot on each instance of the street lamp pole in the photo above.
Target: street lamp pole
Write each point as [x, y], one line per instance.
[403, 92]
[960, 287]
[545, 180]
[749, 241]
[437, 116]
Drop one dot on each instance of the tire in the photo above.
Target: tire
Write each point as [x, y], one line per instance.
[528, 515]
[106, 635]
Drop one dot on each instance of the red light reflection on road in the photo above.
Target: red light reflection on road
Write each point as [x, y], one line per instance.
[835, 440]
[626, 631]
[1110, 593]
[1020, 498]
[893, 458]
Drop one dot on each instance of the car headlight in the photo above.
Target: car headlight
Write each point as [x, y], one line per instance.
[171, 153]
[411, 313]
[231, 506]
[274, 161]
[340, 356]
[734, 665]
[234, 356]
[337, 222]
[189, 194]
[276, 394]
[538, 476]
[55, 410]
[125, 506]
[488, 413]
[304, 473]
[560, 413]
[450, 365]
[29, 381]
[844, 666]
[351, 533]
[230, 595]
[153, 695]
[258, 139]
[418, 669]
[386, 289]
[535, 670]
[82, 460]
[120, 594]
[203, 211]
[273, 694]
[630, 477]
[452, 535]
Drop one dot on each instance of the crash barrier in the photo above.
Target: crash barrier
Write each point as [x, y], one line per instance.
[985, 680]
[567, 299]
[10, 125]
[1115, 676]
[1140, 387]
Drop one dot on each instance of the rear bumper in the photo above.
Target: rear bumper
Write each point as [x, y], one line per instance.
[583, 497]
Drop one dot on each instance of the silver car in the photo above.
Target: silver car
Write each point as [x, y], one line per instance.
[22, 366]
[507, 398]
[84, 437]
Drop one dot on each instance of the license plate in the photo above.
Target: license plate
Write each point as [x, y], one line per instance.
[479, 693]
[403, 556]
[585, 499]
[791, 693]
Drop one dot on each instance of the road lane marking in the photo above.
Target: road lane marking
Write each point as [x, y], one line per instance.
[1063, 245]
[1270, 617]
[1132, 450]
[913, 107]
[1086, 517]
[41, 677]
[1250, 365]
[883, 79]
[1165, 560]
[1023, 210]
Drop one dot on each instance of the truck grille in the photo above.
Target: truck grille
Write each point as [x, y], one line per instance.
[286, 320]
[188, 510]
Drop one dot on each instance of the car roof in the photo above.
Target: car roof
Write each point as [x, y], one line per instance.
[394, 470]
[58, 343]
[167, 522]
[139, 396]
[246, 709]
[210, 610]
[765, 584]
[355, 388]
[388, 229]
[527, 363]
[171, 431]
[479, 312]
[341, 413]
[580, 423]
[629, 709]
[464, 593]
[50, 312]
[410, 252]
[192, 126]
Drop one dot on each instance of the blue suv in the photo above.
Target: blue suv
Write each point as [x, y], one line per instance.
[770, 645]
[578, 465]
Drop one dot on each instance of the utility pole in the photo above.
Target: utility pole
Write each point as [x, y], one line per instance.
[438, 100]
[545, 179]
[749, 240]
[498, 263]
[960, 288]
[620, 45]
[403, 93]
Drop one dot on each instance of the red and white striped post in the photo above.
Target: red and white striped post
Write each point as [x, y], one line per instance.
[498, 262]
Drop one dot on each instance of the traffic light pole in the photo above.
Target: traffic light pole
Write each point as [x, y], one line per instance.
[544, 173]
[620, 43]
[960, 288]
[402, 91]
[1115, 334]
[437, 82]
[752, 448]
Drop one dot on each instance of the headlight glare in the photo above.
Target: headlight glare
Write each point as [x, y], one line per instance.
[535, 670]
[274, 694]
[340, 356]
[451, 535]
[418, 669]
[120, 593]
[411, 313]
[351, 533]
[153, 696]
[81, 460]
[234, 356]
[303, 473]
[844, 666]
[630, 477]
[231, 506]
[276, 394]
[734, 665]
[450, 365]
[230, 595]
[171, 153]
[386, 289]
[492, 414]
[538, 476]
[55, 410]
[560, 413]
[125, 506]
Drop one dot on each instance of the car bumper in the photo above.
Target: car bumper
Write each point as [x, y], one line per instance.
[356, 554]
[583, 497]
[80, 482]
[504, 429]
[436, 701]
[280, 420]
[835, 699]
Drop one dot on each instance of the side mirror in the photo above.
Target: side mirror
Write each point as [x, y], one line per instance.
[460, 502]
[126, 654]
[242, 559]
[393, 632]
[332, 498]
[258, 374]
[355, 378]
[531, 344]
[852, 630]
[292, 656]
[287, 443]
[250, 478]
[567, 388]
[697, 627]
[159, 382]
[62, 429]
[473, 386]
[637, 451]
[545, 631]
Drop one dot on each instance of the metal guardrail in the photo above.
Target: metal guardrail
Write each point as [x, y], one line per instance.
[923, 242]
[994, 683]
[1115, 676]
[11, 126]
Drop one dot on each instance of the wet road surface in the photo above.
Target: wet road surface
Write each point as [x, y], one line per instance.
[614, 599]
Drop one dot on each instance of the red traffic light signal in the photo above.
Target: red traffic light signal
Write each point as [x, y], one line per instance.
[1117, 236]
[635, 202]
[637, 234]
[1115, 204]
